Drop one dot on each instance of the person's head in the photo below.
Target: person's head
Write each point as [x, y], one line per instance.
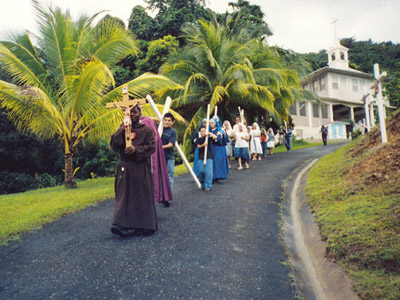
[204, 122]
[202, 131]
[237, 120]
[135, 114]
[322, 126]
[227, 125]
[240, 128]
[213, 123]
[270, 130]
[168, 120]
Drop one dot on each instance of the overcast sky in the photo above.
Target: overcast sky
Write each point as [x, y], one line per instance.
[303, 26]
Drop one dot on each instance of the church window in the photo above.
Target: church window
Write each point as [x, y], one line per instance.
[355, 85]
[342, 55]
[322, 84]
[343, 82]
[335, 82]
[293, 108]
[302, 109]
[315, 108]
[362, 86]
[333, 56]
[315, 86]
[324, 111]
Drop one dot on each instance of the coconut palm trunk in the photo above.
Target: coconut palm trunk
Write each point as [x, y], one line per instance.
[69, 180]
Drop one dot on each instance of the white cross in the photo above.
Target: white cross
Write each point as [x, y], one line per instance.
[378, 77]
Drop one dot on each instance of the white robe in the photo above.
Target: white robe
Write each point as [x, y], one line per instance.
[255, 143]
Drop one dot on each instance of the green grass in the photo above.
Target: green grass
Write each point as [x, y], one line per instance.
[28, 211]
[296, 145]
[359, 223]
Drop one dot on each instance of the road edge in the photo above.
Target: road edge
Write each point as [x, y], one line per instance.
[315, 277]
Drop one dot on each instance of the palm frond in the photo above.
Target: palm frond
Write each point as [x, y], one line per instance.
[30, 109]
[18, 70]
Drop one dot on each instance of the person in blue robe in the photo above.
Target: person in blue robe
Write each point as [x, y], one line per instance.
[196, 151]
[220, 162]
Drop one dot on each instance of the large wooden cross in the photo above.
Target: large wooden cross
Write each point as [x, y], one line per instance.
[126, 105]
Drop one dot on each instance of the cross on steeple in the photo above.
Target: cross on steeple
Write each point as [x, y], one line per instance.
[334, 26]
[338, 55]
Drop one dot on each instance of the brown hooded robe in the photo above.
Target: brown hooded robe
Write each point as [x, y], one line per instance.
[134, 189]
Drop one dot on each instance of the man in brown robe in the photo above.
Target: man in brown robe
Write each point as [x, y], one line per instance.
[134, 211]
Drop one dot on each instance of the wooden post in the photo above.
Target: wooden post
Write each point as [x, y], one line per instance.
[378, 77]
[178, 148]
[166, 108]
[208, 124]
[366, 111]
[216, 111]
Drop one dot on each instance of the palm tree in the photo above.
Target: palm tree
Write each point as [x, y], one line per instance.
[220, 68]
[60, 87]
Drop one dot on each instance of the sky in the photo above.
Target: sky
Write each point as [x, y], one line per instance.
[302, 26]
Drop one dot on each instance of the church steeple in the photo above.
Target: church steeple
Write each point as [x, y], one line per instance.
[338, 55]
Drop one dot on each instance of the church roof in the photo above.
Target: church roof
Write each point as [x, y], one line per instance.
[349, 71]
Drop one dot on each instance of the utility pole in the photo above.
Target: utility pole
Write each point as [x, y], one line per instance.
[379, 101]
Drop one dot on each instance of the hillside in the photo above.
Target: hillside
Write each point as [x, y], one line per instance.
[381, 162]
[355, 196]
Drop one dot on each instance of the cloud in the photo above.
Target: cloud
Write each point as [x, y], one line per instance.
[303, 26]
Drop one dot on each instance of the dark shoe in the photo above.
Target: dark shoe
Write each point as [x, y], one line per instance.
[117, 230]
[122, 232]
[166, 203]
[207, 190]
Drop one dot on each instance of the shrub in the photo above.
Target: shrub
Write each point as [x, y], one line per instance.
[46, 180]
[13, 182]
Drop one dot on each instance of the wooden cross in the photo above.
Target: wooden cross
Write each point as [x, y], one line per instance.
[126, 105]
[379, 100]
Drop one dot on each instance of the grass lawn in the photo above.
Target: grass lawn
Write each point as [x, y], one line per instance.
[360, 221]
[24, 212]
[296, 145]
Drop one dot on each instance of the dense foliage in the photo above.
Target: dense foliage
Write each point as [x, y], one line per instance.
[59, 88]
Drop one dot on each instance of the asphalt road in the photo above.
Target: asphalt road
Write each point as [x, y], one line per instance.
[224, 244]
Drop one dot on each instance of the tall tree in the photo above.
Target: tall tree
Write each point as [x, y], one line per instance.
[61, 88]
[141, 24]
[218, 69]
[173, 14]
[252, 15]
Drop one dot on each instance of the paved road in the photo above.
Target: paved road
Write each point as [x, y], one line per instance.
[219, 245]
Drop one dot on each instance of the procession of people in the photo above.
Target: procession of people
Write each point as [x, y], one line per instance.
[146, 171]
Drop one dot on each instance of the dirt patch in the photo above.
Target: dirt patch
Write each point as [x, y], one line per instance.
[381, 162]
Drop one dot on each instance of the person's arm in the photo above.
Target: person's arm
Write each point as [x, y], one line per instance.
[118, 139]
[198, 145]
[172, 140]
[146, 150]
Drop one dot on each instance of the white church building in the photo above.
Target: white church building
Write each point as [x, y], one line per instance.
[341, 90]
